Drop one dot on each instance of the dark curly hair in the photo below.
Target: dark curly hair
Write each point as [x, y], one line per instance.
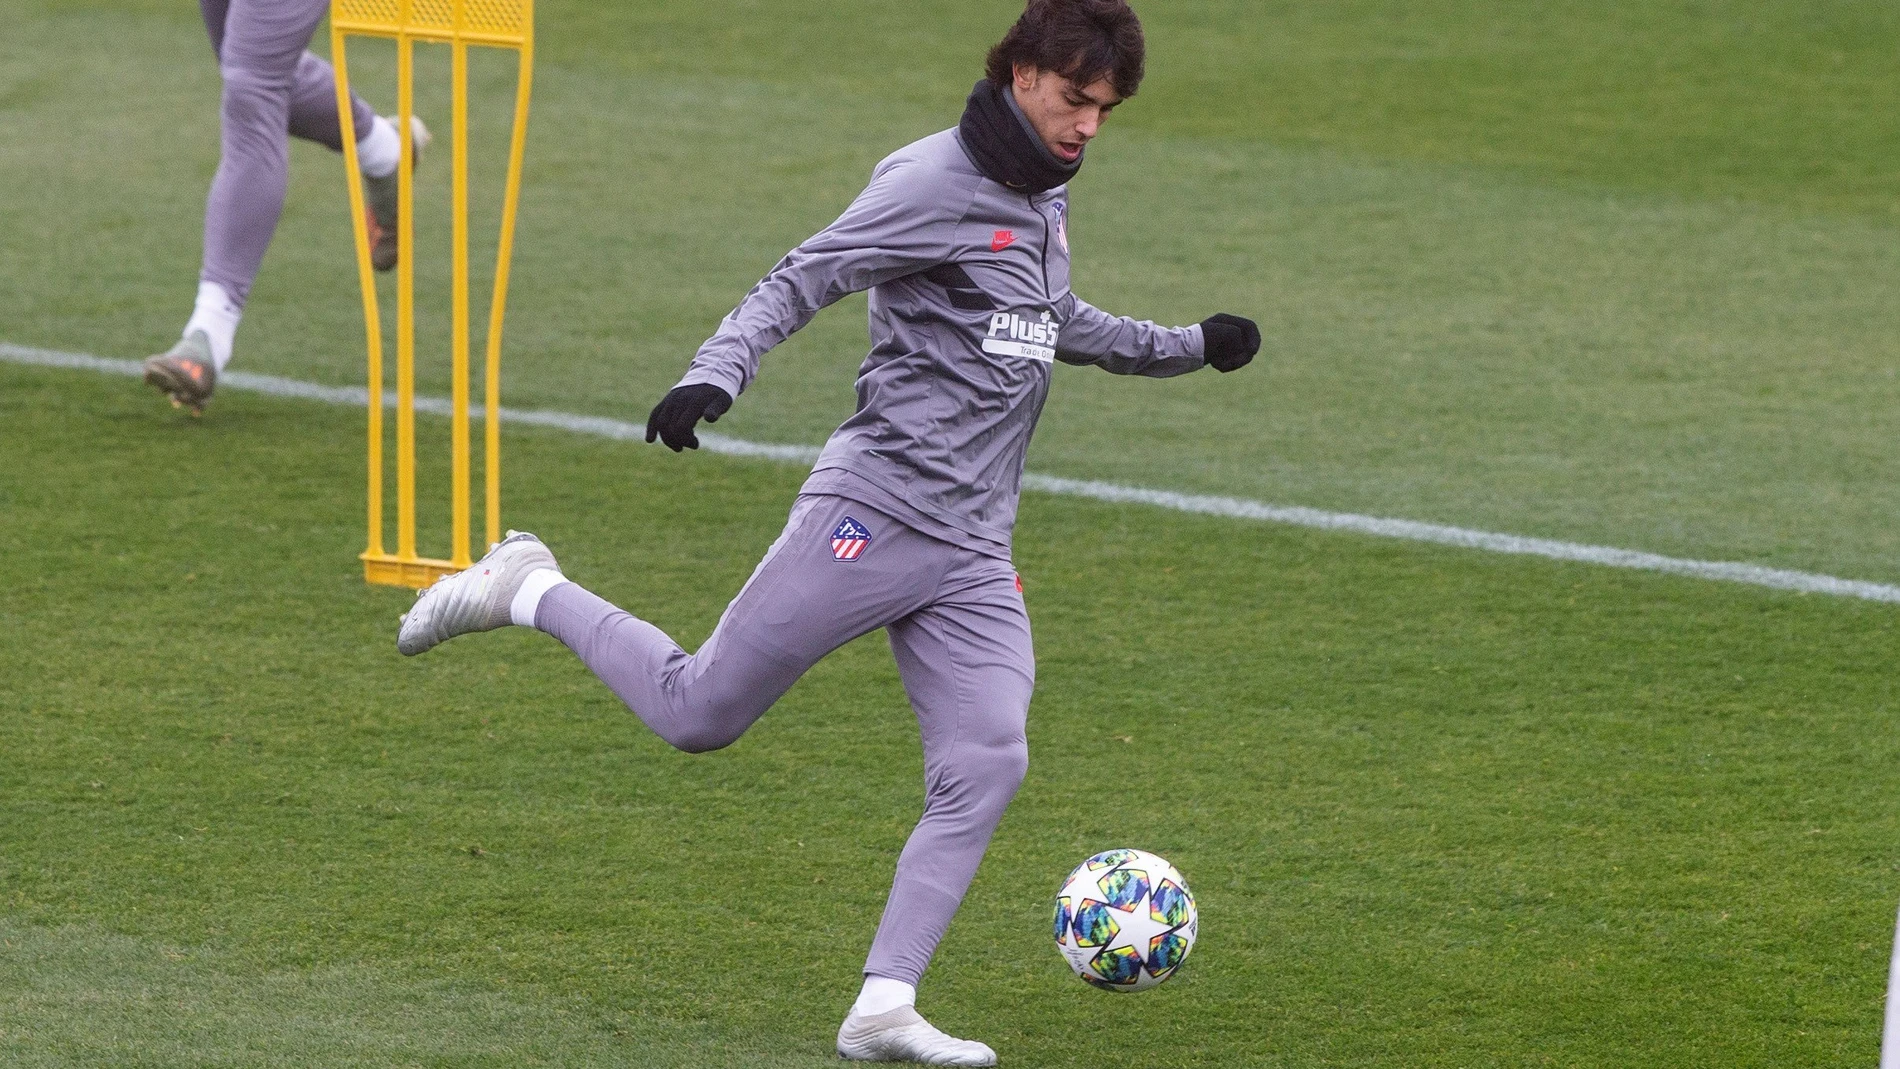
[1082, 40]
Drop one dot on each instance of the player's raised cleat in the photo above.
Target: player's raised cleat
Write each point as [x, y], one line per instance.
[474, 599]
[380, 195]
[902, 1035]
[185, 372]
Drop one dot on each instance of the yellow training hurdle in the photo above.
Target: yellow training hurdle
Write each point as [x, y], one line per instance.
[507, 24]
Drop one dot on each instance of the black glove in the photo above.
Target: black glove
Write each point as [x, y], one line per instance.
[1231, 341]
[672, 420]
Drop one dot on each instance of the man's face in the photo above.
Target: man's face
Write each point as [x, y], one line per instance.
[1065, 115]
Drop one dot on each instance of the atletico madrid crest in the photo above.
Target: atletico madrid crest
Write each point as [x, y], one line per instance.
[849, 540]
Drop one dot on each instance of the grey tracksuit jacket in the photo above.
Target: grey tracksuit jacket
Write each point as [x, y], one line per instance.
[970, 305]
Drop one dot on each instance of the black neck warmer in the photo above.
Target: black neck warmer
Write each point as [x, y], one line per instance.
[1001, 143]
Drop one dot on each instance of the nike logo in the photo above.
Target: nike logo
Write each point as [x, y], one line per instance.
[1003, 239]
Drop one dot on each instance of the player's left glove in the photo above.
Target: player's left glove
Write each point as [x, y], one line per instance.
[1230, 341]
[673, 419]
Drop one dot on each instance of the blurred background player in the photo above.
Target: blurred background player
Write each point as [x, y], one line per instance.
[274, 89]
[905, 523]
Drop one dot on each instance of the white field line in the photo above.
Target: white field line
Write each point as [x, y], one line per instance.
[1232, 507]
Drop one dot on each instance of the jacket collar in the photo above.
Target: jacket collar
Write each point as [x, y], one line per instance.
[999, 140]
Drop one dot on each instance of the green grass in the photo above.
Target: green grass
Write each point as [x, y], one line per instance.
[1439, 808]
[1613, 271]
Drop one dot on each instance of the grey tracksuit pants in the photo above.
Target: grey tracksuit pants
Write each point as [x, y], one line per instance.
[273, 89]
[957, 626]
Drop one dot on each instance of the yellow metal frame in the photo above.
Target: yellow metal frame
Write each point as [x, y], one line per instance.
[507, 24]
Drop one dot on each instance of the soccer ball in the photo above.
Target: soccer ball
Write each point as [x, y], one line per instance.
[1125, 920]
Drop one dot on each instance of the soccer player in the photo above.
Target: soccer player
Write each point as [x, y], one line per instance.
[962, 239]
[274, 89]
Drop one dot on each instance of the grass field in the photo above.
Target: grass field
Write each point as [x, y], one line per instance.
[1615, 272]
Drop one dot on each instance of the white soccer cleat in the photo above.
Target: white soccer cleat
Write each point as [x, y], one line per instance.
[474, 599]
[902, 1035]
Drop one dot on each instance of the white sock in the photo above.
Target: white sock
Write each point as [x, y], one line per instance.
[379, 150]
[528, 598]
[881, 994]
[217, 315]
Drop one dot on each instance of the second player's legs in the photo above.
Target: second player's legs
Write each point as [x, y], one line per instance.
[968, 666]
[272, 88]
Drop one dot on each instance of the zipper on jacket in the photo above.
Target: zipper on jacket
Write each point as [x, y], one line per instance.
[1048, 298]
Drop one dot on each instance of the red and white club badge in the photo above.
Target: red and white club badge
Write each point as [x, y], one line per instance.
[849, 539]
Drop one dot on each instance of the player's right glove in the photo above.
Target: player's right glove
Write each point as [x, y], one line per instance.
[1230, 341]
[673, 419]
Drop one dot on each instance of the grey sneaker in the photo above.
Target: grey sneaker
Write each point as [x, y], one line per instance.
[185, 372]
[474, 599]
[902, 1035]
[380, 197]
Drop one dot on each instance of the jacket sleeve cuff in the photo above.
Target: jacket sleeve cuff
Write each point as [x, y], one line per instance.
[721, 378]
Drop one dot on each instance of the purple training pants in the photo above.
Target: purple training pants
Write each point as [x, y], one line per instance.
[273, 88]
[960, 633]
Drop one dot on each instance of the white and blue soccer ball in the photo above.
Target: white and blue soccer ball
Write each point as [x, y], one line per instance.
[1125, 920]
